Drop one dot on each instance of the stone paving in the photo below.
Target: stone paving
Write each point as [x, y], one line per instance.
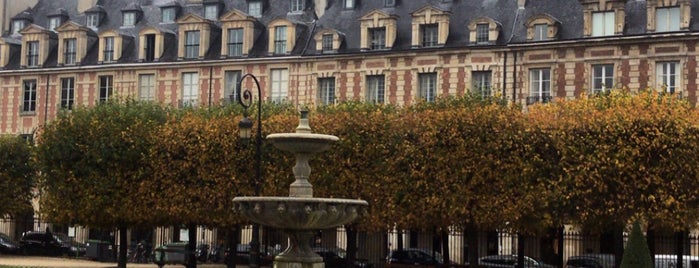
[49, 262]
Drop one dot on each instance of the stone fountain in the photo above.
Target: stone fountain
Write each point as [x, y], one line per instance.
[300, 214]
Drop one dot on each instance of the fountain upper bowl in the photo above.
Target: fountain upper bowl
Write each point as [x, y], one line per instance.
[302, 142]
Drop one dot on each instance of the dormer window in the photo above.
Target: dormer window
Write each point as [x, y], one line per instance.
[667, 19]
[235, 42]
[108, 50]
[211, 12]
[255, 8]
[238, 34]
[542, 28]
[33, 54]
[191, 45]
[378, 38]
[378, 30]
[280, 40]
[93, 20]
[349, 4]
[128, 19]
[195, 34]
[69, 51]
[297, 5]
[169, 14]
[18, 25]
[390, 3]
[54, 22]
[328, 41]
[432, 25]
[603, 18]
[484, 31]
[282, 36]
[603, 23]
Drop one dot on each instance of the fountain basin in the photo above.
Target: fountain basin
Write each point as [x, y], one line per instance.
[299, 213]
[302, 142]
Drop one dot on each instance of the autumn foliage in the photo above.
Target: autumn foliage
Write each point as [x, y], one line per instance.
[460, 161]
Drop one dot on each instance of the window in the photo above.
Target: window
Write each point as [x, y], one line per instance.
[149, 47]
[255, 9]
[603, 23]
[106, 87]
[211, 12]
[429, 34]
[541, 32]
[482, 35]
[540, 85]
[17, 25]
[390, 3]
[667, 19]
[349, 4]
[326, 90]
[481, 84]
[602, 77]
[169, 14]
[69, 51]
[191, 45]
[33, 54]
[327, 43]
[93, 20]
[235, 42]
[296, 5]
[54, 22]
[29, 97]
[146, 84]
[230, 89]
[668, 76]
[375, 88]
[280, 40]
[190, 89]
[108, 49]
[428, 86]
[280, 84]
[129, 19]
[67, 93]
[378, 38]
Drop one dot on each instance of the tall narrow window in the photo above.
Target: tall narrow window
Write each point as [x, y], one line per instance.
[280, 84]
[93, 20]
[378, 38]
[255, 9]
[603, 23]
[235, 42]
[129, 19]
[327, 43]
[541, 32]
[230, 89]
[602, 77]
[428, 86]
[33, 54]
[146, 87]
[349, 4]
[169, 14]
[211, 12]
[667, 19]
[67, 93]
[106, 87]
[150, 47]
[296, 5]
[482, 33]
[668, 74]
[326, 90]
[375, 88]
[429, 34]
[390, 3]
[191, 46]
[69, 51]
[54, 22]
[540, 85]
[280, 40]
[29, 96]
[190, 89]
[481, 84]
[17, 25]
[108, 49]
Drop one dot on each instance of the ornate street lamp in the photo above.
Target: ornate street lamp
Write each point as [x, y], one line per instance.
[245, 99]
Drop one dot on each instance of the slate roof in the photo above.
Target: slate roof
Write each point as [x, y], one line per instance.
[505, 12]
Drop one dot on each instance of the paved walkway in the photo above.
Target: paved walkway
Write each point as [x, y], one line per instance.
[48, 262]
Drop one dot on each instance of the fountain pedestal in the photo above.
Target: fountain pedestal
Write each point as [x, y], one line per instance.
[300, 214]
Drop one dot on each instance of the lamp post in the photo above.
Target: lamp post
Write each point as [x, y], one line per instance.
[245, 99]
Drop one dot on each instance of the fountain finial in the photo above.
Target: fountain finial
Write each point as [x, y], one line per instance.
[304, 126]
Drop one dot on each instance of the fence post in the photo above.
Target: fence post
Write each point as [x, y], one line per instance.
[560, 246]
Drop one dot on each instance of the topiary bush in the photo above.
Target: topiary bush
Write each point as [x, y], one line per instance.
[637, 254]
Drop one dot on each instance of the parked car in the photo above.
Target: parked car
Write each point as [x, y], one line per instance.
[496, 261]
[412, 258]
[69, 246]
[670, 261]
[591, 261]
[335, 258]
[40, 243]
[7, 245]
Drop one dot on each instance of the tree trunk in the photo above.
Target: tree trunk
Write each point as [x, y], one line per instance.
[472, 243]
[444, 234]
[520, 250]
[231, 246]
[123, 247]
[192, 246]
[351, 246]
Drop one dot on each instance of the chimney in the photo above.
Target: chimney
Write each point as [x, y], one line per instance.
[521, 3]
[85, 5]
